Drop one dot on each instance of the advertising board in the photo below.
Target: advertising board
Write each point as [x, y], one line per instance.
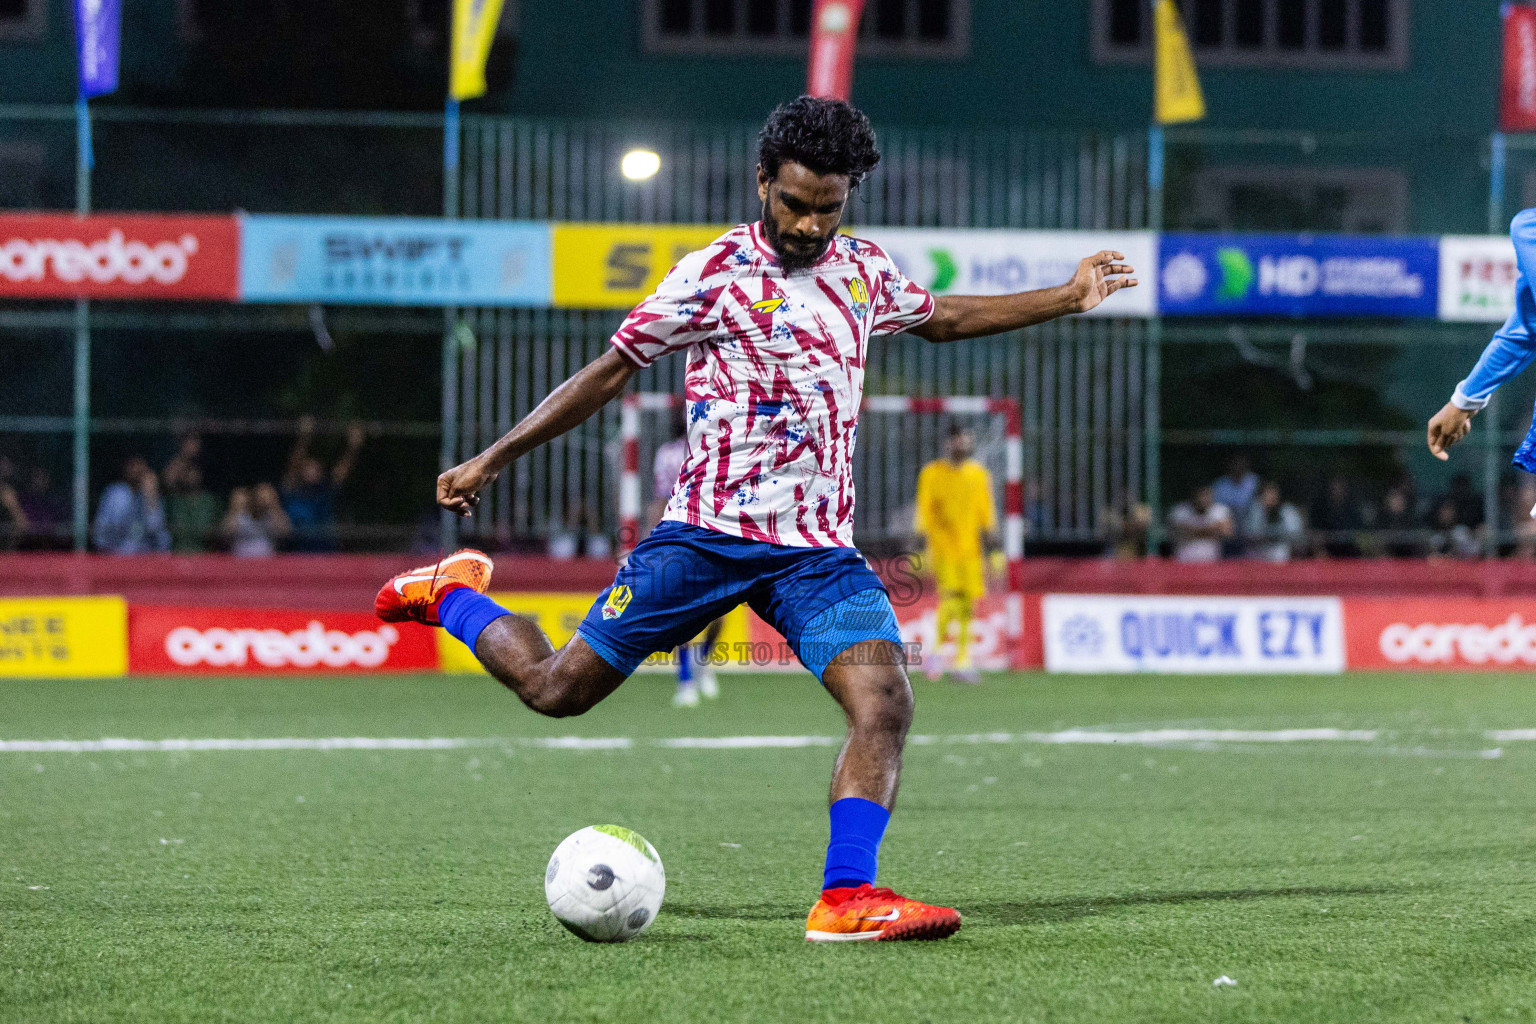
[166, 639]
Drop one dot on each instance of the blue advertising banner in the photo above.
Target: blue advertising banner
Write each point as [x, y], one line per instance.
[395, 261]
[1307, 275]
[98, 26]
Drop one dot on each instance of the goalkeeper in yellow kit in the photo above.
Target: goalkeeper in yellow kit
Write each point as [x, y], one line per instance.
[956, 520]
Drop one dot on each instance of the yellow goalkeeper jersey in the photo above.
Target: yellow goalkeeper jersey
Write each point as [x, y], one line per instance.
[954, 508]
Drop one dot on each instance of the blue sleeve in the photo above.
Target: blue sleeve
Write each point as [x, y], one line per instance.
[113, 517]
[1513, 348]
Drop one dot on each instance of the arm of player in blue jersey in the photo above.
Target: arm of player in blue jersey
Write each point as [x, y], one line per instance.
[1512, 349]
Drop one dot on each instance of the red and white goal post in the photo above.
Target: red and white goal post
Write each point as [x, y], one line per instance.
[635, 404]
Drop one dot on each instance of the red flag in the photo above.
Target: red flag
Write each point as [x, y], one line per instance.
[1517, 91]
[834, 33]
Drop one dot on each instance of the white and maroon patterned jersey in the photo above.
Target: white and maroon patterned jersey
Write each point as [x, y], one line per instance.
[775, 379]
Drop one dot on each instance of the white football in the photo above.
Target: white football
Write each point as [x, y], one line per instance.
[605, 883]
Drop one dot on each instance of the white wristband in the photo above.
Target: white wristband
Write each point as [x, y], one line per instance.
[1461, 400]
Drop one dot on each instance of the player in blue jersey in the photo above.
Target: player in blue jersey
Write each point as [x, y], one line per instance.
[1512, 349]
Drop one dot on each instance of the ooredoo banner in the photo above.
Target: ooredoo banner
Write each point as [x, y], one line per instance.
[1465, 633]
[119, 256]
[245, 640]
[1108, 633]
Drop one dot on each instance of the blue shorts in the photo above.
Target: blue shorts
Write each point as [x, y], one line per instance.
[681, 578]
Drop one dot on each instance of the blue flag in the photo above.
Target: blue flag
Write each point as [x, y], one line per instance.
[97, 28]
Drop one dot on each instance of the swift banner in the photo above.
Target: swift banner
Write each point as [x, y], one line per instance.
[1477, 278]
[118, 256]
[203, 640]
[395, 261]
[1238, 635]
[1301, 276]
[951, 262]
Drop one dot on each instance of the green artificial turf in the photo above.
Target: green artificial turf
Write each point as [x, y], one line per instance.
[1388, 880]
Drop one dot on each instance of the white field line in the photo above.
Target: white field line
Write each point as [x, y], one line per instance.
[1510, 735]
[1144, 737]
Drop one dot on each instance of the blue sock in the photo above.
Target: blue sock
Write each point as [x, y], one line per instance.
[465, 614]
[684, 665]
[853, 855]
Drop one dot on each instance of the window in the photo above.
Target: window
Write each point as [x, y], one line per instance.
[897, 28]
[1351, 200]
[1360, 35]
[22, 19]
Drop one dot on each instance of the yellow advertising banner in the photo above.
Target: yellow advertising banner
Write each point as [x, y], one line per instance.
[70, 637]
[614, 266]
[558, 614]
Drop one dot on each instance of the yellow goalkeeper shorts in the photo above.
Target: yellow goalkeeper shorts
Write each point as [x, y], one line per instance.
[962, 577]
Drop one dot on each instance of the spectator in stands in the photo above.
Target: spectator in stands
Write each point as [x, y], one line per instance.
[1126, 528]
[190, 510]
[1199, 527]
[1273, 528]
[189, 456]
[1521, 517]
[1337, 520]
[255, 522]
[1449, 536]
[309, 492]
[1399, 534]
[1467, 502]
[131, 519]
[1237, 490]
[14, 524]
[45, 509]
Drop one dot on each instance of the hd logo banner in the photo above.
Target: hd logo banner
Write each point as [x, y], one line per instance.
[1300, 275]
[394, 261]
[953, 262]
[63, 637]
[1186, 635]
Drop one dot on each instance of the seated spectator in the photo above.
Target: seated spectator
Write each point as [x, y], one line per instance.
[1399, 529]
[13, 518]
[131, 519]
[1523, 517]
[45, 509]
[1449, 534]
[1337, 520]
[1237, 489]
[1198, 527]
[190, 510]
[255, 522]
[1125, 529]
[1273, 528]
[309, 492]
[189, 455]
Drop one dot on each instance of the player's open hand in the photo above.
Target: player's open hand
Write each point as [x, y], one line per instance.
[1098, 277]
[458, 489]
[1448, 426]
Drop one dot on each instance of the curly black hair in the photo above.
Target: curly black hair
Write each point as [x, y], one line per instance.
[822, 135]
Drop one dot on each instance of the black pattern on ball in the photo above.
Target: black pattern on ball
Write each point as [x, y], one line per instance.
[600, 876]
[639, 917]
[554, 869]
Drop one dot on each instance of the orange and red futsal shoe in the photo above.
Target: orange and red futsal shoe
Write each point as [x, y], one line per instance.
[414, 595]
[849, 915]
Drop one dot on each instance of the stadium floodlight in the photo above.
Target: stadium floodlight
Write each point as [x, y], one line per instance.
[640, 164]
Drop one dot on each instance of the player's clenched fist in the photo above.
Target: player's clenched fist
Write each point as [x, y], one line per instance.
[1448, 426]
[457, 489]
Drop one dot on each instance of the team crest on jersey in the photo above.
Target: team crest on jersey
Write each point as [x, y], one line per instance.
[859, 293]
[618, 600]
[769, 306]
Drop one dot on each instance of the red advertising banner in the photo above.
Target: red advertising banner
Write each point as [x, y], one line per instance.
[1453, 633]
[119, 256]
[1517, 89]
[164, 639]
[834, 34]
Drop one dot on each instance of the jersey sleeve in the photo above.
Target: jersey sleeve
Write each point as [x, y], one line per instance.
[900, 304]
[1513, 348]
[681, 311]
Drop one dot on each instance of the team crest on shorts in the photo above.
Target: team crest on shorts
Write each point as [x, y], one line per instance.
[618, 600]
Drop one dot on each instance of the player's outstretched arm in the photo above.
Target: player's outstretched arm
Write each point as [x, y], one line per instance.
[956, 317]
[566, 407]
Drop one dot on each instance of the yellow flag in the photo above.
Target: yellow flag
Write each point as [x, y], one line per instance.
[474, 26]
[1178, 85]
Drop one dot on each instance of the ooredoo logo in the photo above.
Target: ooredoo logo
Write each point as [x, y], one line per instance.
[1511, 641]
[311, 647]
[103, 261]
